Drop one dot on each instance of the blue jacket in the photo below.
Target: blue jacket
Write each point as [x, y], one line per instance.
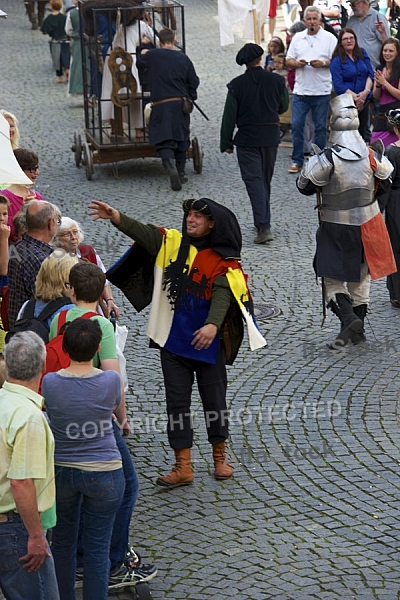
[351, 75]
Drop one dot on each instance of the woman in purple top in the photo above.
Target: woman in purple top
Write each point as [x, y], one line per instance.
[387, 90]
[80, 401]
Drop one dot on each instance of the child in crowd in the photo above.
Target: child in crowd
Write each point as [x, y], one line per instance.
[280, 66]
[54, 26]
[275, 47]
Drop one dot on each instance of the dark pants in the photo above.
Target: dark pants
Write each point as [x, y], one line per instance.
[173, 149]
[211, 382]
[256, 168]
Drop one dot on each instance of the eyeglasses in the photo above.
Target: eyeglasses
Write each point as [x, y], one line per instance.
[348, 39]
[33, 169]
[69, 234]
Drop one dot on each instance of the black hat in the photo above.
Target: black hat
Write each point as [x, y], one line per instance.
[248, 53]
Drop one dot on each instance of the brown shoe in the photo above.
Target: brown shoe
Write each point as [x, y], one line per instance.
[222, 470]
[181, 473]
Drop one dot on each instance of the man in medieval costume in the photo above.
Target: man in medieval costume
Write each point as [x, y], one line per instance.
[199, 301]
[353, 245]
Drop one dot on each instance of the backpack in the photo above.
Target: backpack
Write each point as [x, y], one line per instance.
[28, 322]
[56, 358]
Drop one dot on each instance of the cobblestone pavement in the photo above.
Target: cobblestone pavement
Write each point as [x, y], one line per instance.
[312, 511]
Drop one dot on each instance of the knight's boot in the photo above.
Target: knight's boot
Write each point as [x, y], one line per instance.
[222, 470]
[173, 174]
[180, 167]
[41, 11]
[181, 473]
[30, 10]
[361, 312]
[350, 323]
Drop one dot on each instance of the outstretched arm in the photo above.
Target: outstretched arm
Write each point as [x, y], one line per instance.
[147, 236]
[101, 210]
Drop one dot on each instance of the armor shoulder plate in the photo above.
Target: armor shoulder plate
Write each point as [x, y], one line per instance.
[318, 169]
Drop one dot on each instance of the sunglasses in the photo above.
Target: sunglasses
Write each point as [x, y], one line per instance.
[33, 169]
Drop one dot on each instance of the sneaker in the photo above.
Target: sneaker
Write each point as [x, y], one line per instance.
[263, 236]
[294, 168]
[125, 576]
[132, 558]
[79, 577]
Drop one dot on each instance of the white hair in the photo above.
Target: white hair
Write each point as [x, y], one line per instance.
[67, 223]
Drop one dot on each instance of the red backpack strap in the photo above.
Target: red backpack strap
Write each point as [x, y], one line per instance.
[62, 318]
[89, 315]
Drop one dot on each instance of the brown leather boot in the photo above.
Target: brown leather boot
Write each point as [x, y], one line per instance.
[222, 470]
[181, 473]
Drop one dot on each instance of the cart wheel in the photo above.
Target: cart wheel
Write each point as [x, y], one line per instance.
[77, 148]
[88, 161]
[142, 591]
[197, 155]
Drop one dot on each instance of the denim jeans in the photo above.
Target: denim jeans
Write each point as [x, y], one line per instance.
[100, 493]
[319, 106]
[120, 534]
[15, 581]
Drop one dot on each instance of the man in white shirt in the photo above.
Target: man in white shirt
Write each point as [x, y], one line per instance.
[310, 54]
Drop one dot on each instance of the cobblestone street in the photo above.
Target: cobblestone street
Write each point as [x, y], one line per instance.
[312, 511]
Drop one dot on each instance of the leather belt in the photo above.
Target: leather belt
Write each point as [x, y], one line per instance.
[174, 99]
[10, 516]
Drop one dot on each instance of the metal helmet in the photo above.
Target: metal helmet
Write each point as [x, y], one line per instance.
[393, 116]
[344, 115]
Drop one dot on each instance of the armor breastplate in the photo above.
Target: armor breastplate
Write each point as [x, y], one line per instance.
[350, 186]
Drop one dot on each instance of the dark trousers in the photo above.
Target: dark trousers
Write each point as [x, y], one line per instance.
[256, 168]
[211, 382]
[173, 149]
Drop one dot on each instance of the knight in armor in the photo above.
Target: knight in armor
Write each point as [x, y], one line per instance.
[353, 244]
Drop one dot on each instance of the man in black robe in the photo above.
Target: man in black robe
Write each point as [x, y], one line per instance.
[172, 79]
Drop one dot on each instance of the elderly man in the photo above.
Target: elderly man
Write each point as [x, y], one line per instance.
[27, 490]
[353, 244]
[199, 299]
[253, 103]
[310, 53]
[371, 28]
[42, 220]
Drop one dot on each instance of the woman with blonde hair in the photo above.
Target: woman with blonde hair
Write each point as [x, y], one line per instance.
[13, 123]
[52, 287]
